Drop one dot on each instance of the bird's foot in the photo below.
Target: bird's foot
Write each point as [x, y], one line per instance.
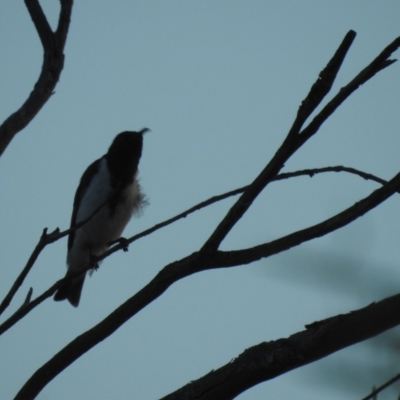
[94, 264]
[124, 243]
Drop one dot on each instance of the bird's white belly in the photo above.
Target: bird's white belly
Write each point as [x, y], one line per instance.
[105, 226]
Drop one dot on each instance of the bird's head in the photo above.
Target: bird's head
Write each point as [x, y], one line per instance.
[125, 151]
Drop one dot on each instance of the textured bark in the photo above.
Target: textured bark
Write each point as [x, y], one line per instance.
[269, 360]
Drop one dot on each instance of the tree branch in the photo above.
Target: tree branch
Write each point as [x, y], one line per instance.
[323, 84]
[293, 142]
[268, 360]
[378, 64]
[44, 240]
[239, 257]
[224, 257]
[41, 24]
[53, 62]
[179, 269]
[373, 394]
[209, 257]
[285, 175]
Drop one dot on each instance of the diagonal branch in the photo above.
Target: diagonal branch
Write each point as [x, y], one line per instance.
[53, 62]
[284, 175]
[381, 62]
[246, 256]
[268, 360]
[56, 235]
[292, 143]
[45, 239]
[63, 23]
[41, 24]
[390, 382]
[170, 274]
[323, 84]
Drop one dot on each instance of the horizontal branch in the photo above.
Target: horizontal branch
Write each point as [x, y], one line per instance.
[173, 272]
[56, 235]
[284, 175]
[268, 360]
[239, 257]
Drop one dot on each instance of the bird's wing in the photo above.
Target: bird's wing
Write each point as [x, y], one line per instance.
[84, 183]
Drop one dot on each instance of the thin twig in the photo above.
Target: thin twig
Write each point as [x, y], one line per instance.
[378, 64]
[45, 239]
[323, 84]
[56, 235]
[207, 258]
[160, 283]
[249, 255]
[285, 175]
[373, 394]
[291, 144]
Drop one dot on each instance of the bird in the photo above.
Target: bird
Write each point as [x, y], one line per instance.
[107, 196]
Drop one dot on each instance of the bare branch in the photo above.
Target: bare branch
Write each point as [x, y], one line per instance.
[63, 23]
[56, 235]
[373, 394]
[285, 175]
[323, 84]
[293, 142]
[27, 298]
[268, 360]
[53, 62]
[44, 240]
[172, 273]
[208, 257]
[378, 64]
[28, 307]
[239, 257]
[41, 24]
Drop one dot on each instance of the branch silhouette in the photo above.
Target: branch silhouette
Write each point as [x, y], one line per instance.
[209, 257]
[53, 62]
[46, 239]
[56, 235]
[373, 394]
[268, 360]
[187, 266]
[296, 138]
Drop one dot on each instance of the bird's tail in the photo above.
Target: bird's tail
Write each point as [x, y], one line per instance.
[71, 291]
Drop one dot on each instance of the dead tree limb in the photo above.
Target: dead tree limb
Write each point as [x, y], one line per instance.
[53, 61]
[268, 360]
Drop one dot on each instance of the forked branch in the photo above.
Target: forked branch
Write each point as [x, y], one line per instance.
[209, 257]
[52, 237]
[176, 271]
[294, 140]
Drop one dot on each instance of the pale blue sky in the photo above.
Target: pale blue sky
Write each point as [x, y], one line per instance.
[218, 83]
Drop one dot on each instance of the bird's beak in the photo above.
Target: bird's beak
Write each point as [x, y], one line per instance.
[144, 130]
